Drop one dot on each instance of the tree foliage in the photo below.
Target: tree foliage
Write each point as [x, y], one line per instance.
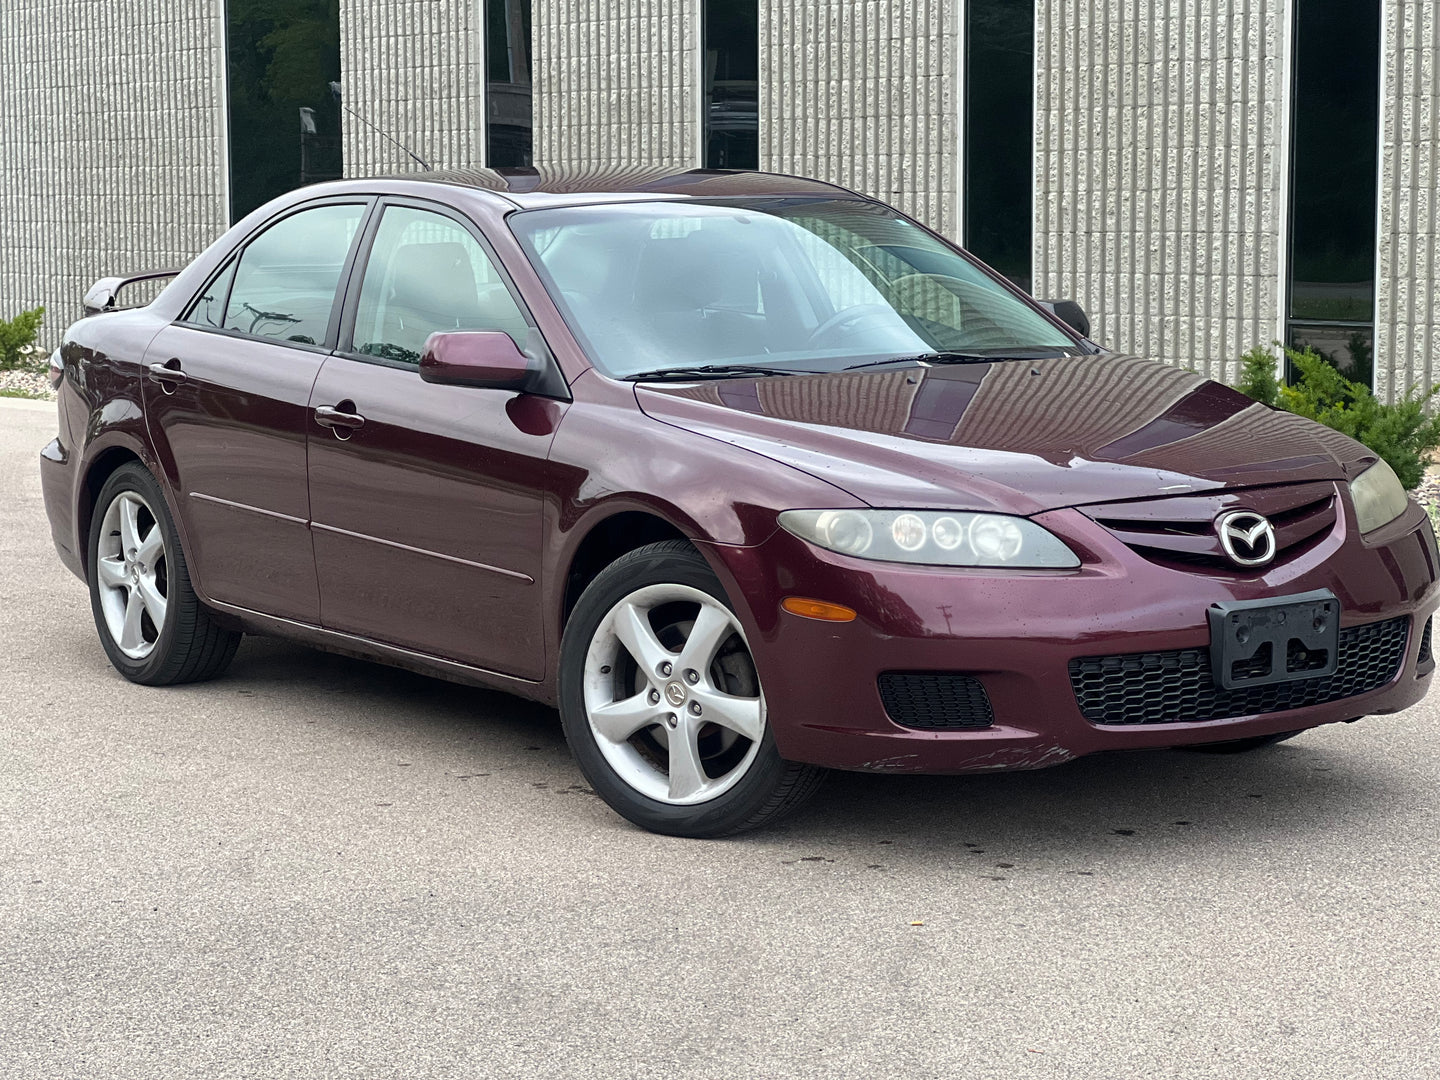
[17, 335]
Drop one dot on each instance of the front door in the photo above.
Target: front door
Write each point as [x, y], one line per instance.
[426, 502]
[227, 394]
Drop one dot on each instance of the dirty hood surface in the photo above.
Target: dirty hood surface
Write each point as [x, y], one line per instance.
[1017, 436]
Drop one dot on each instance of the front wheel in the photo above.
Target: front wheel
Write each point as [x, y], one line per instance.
[152, 625]
[662, 704]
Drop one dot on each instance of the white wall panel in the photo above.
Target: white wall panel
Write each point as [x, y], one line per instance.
[865, 93]
[1159, 126]
[112, 139]
[1407, 330]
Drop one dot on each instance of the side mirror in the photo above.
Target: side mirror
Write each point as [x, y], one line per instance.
[487, 358]
[1070, 313]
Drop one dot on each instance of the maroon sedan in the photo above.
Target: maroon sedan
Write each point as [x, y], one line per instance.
[749, 475]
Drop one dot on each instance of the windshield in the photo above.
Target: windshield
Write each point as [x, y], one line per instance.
[776, 284]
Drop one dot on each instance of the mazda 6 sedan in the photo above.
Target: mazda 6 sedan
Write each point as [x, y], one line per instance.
[749, 475]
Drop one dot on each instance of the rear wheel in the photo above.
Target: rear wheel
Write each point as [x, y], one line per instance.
[1241, 746]
[662, 704]
[152, 625]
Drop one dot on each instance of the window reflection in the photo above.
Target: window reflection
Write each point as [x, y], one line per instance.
[284, 71]
[732, 86]
[508, 103]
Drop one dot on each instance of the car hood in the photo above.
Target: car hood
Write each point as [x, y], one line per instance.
[1015, 436]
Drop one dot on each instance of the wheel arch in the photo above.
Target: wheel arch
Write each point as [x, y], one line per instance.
[606, 540]
[103, 466]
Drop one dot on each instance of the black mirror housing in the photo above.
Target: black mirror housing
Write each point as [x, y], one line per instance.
[1070, 313]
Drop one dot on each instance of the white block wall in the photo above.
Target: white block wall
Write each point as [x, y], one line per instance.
[1407, 323]
[617, 81]
[111, 144]
[414, 69]
[1159, 127]
[865, 93]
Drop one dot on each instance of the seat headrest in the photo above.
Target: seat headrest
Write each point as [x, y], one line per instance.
[691, 272]
[435, 277]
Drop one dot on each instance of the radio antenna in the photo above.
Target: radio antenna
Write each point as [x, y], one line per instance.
[335, 89]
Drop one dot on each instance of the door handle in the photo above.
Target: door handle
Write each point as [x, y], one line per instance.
[166, 376]
[339, 419]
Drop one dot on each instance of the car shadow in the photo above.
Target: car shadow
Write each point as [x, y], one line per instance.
[1079, 817]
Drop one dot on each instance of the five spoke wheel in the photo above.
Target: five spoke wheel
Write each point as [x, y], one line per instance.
[133, 574]
[661, 700]
[671, 694]
[153, 627]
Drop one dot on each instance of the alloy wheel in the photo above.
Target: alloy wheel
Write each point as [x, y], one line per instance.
[671, 694]
[133, 574]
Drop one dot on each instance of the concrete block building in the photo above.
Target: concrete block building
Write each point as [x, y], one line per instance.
[1202, 176]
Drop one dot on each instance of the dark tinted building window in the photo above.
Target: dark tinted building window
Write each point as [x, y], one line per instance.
[999, 144]
[284, 77]
[732, 84]
[509, 115]
[1333, 165]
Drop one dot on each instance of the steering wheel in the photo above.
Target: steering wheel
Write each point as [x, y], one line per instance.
[849, 318]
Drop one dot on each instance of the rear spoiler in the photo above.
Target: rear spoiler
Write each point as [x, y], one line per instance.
[102, 296]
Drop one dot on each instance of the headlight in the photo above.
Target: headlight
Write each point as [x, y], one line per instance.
[932, 537]
[1378, 495]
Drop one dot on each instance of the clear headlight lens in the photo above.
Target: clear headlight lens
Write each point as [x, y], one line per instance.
[932, 537]
[1378, 495]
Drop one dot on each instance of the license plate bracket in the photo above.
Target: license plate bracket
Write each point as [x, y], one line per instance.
[1261, 642]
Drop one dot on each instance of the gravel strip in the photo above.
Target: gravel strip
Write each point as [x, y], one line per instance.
[29, 382]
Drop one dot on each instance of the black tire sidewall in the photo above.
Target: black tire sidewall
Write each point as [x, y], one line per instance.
[153, 668]
[664, 563]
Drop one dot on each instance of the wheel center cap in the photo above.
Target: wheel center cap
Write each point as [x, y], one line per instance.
[675, 694]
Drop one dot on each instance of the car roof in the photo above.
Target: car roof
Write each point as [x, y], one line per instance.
[549, 185]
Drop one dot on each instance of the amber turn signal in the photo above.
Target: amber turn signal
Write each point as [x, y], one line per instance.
[817, 609]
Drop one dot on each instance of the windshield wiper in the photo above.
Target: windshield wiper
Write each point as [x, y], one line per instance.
[987, 357]
[710, 371]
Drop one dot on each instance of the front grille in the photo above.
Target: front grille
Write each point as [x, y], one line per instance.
[935, 701]
[1176, 687]
[1179, 531]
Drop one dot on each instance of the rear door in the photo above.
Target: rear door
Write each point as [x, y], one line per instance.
[427, 509]
[227, 393]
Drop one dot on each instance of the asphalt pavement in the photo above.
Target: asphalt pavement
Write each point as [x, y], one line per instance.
[317, 867]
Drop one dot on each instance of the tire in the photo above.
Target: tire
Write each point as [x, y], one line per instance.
[629, 687]
[152, 625]
[1242, 746]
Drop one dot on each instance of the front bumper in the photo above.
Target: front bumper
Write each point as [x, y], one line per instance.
[1017, 633]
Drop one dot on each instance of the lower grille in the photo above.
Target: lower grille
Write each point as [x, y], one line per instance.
[1176, 687]
[935, 701]
[1425, 655]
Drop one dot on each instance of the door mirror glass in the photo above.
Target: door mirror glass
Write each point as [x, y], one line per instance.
[482, 358]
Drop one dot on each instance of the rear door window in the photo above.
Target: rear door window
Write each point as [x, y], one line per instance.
[286, 279]
[427, 273]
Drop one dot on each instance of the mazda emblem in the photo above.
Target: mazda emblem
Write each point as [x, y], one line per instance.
[1247, 537]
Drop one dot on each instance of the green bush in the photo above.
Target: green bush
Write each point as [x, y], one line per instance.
[16, 337]
[1402, 433]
